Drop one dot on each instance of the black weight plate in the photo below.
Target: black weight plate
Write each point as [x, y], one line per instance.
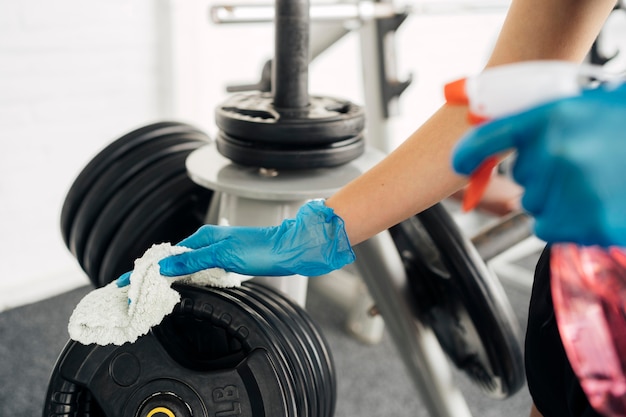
[310, 346]
[253, 117]
[170, 214]
[458, 297]
[123, 203]
[64, 397]
[295, 355]
[484, 299]
[198, 341]
[212, 348]
[82, 183]
[300, 337]
[188, 340]
[116, 176]
[321, 353]
[310, 337]
[289, 157]
[292, 356]
[295, 332]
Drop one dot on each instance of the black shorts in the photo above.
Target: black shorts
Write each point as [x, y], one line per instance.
[553, 385]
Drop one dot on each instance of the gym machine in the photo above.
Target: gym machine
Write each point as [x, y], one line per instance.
[253, 350]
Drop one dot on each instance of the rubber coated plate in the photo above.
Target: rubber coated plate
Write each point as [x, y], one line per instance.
[123, 203]
[252, 117]
[279, 335]
[290, 157]
[299, 372]
[464, 304]
[121, 173]
[215, 353]
[306, 342]
[116, 176]
[170, 214]
[82, 183]
[297, 341]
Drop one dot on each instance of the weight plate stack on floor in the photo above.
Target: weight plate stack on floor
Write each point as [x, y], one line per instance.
[142, 174]
[101, 161]
[245, 351]
[462, 301]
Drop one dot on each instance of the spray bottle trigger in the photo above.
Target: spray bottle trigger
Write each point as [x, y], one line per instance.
[478, 182]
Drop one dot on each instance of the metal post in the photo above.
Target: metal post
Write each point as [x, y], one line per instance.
[291, 55]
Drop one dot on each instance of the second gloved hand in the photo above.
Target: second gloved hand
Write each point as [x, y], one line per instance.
[313, 243]
[571, 160]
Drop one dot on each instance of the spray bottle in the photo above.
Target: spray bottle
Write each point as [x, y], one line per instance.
[588, 283]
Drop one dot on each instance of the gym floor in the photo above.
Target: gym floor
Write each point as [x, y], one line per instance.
[371, 378]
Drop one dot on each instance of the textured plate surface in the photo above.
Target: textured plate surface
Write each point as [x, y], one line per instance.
[123, 203]
[460, 299]
[219, 351]
[116, 176]
[170, 214]
[83, 182]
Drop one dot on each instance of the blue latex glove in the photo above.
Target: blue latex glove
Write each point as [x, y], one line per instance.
[124, 280]
[313, 243]
[571, 160]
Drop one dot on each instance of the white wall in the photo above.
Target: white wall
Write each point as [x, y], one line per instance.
[74, 75]
[77, 74]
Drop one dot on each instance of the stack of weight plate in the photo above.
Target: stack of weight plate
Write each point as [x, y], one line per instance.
[132, 194]
[246, 351]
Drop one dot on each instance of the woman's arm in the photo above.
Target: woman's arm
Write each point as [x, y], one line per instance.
[418, 173]
[409, 180]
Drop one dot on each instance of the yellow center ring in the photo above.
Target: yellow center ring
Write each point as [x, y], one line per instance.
[163, 410]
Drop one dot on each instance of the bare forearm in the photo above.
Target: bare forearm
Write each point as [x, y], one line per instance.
[412, 178]
[553, 29]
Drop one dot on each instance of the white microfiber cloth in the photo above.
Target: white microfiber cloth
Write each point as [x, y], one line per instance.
[105, 316]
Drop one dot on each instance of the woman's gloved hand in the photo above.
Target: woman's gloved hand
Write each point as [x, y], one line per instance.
[571, 160]
[313, 243]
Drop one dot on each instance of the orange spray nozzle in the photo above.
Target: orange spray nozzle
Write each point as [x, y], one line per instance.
[454, 92]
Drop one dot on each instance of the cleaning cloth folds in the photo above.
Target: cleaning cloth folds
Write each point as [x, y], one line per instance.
[114, 315]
